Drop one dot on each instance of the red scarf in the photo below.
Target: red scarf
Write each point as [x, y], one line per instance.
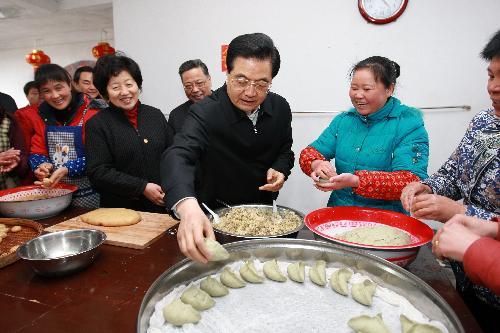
[132, 115]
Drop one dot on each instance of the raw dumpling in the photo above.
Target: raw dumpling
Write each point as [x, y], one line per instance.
[213, 287]
[339, 279]
[250, 274]
[230, 279]
[410, 326]
[199, 299]
[367, 324]
[297, 271]
[363, 292]
[218, 251]
[317, 274]
[272, 271]
[177, 313]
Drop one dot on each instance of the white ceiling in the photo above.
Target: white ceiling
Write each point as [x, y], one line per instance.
[52, 22]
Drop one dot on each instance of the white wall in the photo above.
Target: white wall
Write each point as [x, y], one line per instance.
[15, 71]
[436, 44]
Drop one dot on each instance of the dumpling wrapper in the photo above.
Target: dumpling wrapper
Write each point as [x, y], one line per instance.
[339, 279]
[273, 272]
[213, 287]
[367, 324]
[317, 274]
[230, 279]
[410, 326]
[297, 271]
[363, 292]
[178, 313]
[218, 252]
[199, 299]
[249, 273]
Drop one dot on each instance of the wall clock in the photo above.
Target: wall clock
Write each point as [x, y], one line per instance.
[381, 11]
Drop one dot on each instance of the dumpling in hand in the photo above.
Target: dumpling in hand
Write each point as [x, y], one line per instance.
[178, 313]
[367, 324]
[230, 279]
[273, 272]
[199, 299]
[317, 274]
[249, 273]
[213, 287]
[363, 292]
[218, 251]
[339, 279]
[297, 271]
[410, 326]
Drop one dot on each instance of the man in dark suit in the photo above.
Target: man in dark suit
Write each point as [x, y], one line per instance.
[241, 136]
[8, 103]
[197, 84]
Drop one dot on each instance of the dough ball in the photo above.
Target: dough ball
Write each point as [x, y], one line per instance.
[16, 228]
[177, 313]
[249, 273]
[198, 299]
[218, 252]
[213, 287]
[273, 272]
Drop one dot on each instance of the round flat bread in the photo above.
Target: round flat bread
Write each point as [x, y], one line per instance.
[111, 217]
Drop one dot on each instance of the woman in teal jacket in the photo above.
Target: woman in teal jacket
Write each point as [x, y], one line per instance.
[379, 146]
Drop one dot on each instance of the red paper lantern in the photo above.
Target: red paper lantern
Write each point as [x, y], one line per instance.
[37, 58]
[102, 49]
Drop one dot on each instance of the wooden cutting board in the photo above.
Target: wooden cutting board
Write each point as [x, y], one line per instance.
[137, 236]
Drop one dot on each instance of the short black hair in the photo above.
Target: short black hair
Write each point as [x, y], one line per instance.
[112, 65]
[194, 63]
[492, 49]
[79, 71]
[28, 86]
[256, 45]
[51, 72]
[384, 70]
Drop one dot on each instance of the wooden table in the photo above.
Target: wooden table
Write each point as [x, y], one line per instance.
[106, 296]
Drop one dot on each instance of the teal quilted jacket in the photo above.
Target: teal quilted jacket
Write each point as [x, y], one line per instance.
[391, 139]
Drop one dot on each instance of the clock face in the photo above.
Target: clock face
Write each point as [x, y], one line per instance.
[381, 11]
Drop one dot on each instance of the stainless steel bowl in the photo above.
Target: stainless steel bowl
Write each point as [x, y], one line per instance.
[386, 274]
[227, 237]
[62, 252]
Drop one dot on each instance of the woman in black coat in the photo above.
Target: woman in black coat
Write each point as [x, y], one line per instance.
[124, 142]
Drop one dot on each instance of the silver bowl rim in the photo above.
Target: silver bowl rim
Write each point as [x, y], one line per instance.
[223, 209]
[242, 246]
[99, 232]
[63, 186]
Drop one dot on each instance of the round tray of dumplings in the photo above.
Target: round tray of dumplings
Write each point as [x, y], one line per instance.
[253, 221]
[292, 285]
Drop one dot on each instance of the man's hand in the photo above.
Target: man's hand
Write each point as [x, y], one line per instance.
[275, 181]
[435, 207]
[410, 191]
[43, 171]
[193, 228]
[154, 193]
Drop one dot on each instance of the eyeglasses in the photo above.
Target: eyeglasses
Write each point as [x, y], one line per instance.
[197, 84]
[242, 83]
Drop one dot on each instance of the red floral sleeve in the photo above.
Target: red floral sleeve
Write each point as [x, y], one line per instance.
[382, 184]
[307, 156]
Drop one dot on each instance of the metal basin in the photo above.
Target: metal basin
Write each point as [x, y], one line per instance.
[227, 237]
[386, 274]
[62, 252]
